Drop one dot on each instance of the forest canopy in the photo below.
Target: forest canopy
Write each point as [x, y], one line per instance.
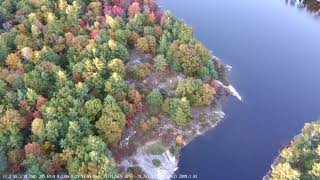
[66, 89]
[301, 158]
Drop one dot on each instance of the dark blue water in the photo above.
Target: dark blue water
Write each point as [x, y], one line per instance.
[274, 51]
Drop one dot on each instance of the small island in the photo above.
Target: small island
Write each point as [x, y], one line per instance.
[101, 89]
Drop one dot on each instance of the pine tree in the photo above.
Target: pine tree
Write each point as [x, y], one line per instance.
[92, 108]
[111, 122]
[180, 110]
[91, 158]
[155, 98]
[73, 136]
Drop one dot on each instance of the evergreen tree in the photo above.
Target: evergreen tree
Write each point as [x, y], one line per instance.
[111, 122]
[155, 98]
[180, 110]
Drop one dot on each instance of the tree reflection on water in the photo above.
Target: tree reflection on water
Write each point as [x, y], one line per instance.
[311, 5]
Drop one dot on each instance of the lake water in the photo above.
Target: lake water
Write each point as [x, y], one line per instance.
[274, 51]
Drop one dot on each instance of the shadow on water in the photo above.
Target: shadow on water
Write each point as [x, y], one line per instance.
[274, 51]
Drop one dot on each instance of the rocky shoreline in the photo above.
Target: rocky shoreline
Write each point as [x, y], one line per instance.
[154, 154]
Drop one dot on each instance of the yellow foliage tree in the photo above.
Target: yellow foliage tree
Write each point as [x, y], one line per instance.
[14, 61]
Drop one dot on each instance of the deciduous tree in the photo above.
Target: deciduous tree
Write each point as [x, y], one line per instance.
[147, 44]
[14, 61]
[133, 9]
[284, 172]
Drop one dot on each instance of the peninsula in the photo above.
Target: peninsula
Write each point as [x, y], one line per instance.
[101, 89]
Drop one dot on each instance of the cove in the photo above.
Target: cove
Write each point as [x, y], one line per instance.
[273, 49]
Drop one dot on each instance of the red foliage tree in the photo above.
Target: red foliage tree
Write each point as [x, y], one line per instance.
[29, 116]
[83, 23]
[33, 148]
[117, 10]
[36, 114]
[40, 102]
[69, 38]
[153, 18]
[15, 158]
[56, 164]
[24, 105]
[215, 84]
[107, 9]
[159, 14]
[130, 120]
[133, 9]
[95, 34]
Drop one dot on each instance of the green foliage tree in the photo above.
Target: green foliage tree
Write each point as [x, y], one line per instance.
[116, 86]
[149, 31]
[59, 59]
[209, 73]
[10, 138]
[140, 71]
[198, 93]
[103, 36]
[91, 158]
[184, 32]
[31, 96]
[113, 50]
[22, 41]
[180, 110]
[3, 161]
[189, 58]
[3, 87]
[122, 36]
[92, 108]
[315, 171]
[116, 65]
[136, 24]
[284, 172]
[53, 131]
[163, 45]
[63, 106]
[11, 123]
[300, 159]
[155, 98]
[160, 63]
[48, 54]
[4, 51]
[37, 80]
[38, 129]
[34, 167]
[73, 136]
[73, 12]
[6, 9]
[111, 122]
